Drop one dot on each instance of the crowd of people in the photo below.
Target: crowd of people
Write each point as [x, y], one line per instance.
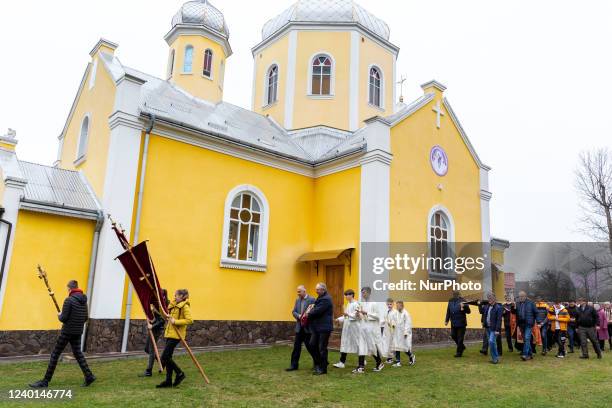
[366, 330]
[527, 325]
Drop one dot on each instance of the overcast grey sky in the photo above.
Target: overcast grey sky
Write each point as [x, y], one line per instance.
[529, 80]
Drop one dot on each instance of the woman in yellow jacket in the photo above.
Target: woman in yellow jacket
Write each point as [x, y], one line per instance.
[559, 317]
[180, 318]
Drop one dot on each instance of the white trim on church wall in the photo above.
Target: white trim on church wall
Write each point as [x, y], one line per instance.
[485, 214]
[394, 85]
[92, 75]
[290, 82]
[262, 250]
[13, 191]
[332, 80]
[354, 82]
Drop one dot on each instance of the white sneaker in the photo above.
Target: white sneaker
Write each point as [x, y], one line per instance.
[379, 367]
[358, 370]
[389, 361]
[412, 359]
[398, 364]
[339, 364]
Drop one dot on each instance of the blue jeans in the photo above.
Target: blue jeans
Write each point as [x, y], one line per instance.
[527, 340]
[493, 344]
[543, 332]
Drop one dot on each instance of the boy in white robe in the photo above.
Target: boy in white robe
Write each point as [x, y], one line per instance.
[388, 329]
[402, 336]
[349, 342]
[371, 338]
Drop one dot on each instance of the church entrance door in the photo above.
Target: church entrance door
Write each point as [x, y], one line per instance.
[334, 276]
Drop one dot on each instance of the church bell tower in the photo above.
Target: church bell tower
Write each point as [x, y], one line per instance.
[199, 47]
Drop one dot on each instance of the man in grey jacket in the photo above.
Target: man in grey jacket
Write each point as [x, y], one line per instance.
[302, 334]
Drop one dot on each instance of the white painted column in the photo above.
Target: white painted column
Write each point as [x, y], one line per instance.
[13, 191]
[485, 197]
[290, 82]
[354, 82]
[375, 186]
[118, 201]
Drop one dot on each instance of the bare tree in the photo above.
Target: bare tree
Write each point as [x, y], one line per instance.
[553, 285]
[594, 185]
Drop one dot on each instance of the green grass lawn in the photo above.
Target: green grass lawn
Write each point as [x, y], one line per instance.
[256, 378]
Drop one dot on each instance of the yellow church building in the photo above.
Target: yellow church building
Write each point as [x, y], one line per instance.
[239, 206]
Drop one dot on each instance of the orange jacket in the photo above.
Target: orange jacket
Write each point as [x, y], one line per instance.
[562, 316]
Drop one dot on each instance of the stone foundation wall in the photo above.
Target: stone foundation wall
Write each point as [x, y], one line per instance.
[22, 342]
[105, 335]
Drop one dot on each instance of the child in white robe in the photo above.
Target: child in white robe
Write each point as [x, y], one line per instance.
[388, 329]
[402, 336]
[371, 338]
[349, 342]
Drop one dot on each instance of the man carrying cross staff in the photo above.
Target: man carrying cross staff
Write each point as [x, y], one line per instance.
[73, 316]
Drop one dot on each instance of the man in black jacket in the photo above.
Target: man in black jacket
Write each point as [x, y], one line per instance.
[456, 312]
[73, 316]
[586, 320]
[321, 323]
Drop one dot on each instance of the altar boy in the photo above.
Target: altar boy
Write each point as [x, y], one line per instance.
[389, 320]
[402, 335]
[371, 338]
[349, 342]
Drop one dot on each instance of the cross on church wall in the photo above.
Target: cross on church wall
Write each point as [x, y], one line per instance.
[439, 112]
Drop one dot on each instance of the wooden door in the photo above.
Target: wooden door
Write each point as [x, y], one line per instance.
[334, 275]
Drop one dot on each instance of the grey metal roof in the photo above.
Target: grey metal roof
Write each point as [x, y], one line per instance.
[169, 102]
[57, 187]
[201, 12]
[326, 11]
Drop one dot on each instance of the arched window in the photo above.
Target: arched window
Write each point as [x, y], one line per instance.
[188, 61]
[245, 229]
[83, 138]
[208, 56]
[439, 242]
[322, 68]
[375, 87]
[272, 85]
[171, 63]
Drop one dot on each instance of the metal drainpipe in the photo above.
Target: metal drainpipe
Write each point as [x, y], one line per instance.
[6, 243]
[92, 273]
[143, 169]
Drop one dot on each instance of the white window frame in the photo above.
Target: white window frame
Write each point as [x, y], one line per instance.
[262, 250]
[212, 63]
[332, 85]
[382, 88]
[451, 237]
[185, 58]
[82, 155]
[266, 90]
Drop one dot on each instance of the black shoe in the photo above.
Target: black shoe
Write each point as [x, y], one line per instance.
[315, 369]
[179, 379]
[524, 358]
[458, 355]
[584, 357]
[88, 381]
[494, 361]
[40, 384]
[147, 373]
[483, 352]
[599, 356]
[319, 372]
[164, 384]
[291, 369]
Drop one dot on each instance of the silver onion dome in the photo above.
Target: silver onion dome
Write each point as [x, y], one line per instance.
[201, 12]
[327, 11]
